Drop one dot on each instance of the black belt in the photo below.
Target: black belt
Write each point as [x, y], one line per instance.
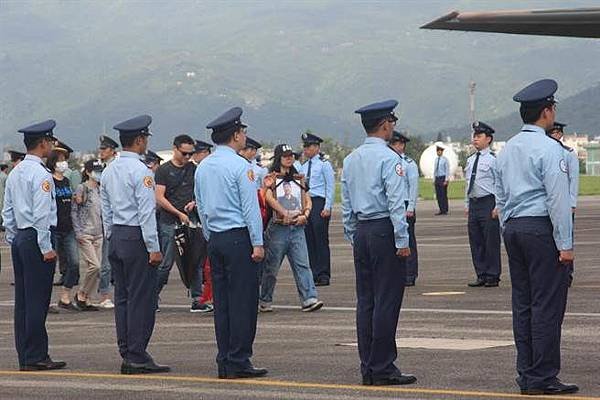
[373, 221]
[483, 198]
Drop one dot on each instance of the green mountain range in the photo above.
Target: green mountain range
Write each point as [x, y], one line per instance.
[291, 65]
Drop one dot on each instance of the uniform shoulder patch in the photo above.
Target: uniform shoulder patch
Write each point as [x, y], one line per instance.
[399, 169]
[251, 176]
[563, 165]
[46, 186]
[148, 182]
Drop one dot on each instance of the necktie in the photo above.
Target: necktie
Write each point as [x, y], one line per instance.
[473, 173]
[437, 166]
[308, 173]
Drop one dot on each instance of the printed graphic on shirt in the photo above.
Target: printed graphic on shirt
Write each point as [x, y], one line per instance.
[251, 175]
[563, 166]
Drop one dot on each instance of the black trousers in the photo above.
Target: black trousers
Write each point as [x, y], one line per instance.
[441, 193]
[539, 298]
[380, 278]
[235, 289]
[317, 241]
[33, 288]
[412, 261]
[484, 238]
[135, 283]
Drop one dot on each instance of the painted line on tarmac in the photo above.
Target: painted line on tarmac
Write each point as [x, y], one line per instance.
[353, 309]
[286, 384]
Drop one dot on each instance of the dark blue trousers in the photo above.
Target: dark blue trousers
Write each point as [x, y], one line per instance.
[235, 290]
[380, 278]
[33, 288]
[412, 261]
[484, 238]
[317, 241]
[441, 193]
[539, 298]
[135, 283]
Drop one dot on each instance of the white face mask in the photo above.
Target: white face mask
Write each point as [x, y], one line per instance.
[61, 166]
[96, 175]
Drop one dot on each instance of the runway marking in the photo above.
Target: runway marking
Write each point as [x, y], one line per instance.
[442, 293]
[287, 384]
[444, 343]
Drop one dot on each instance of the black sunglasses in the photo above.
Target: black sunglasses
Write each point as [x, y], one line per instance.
[186, 153]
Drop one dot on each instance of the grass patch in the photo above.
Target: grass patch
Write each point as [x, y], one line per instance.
[588, 186]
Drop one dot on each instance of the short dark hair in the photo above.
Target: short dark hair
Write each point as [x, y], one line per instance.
[3, 167]
[225, 136]
[52, 160]
[128, 141]
[372, 125]
[183, 139]
[530, 114]
[31, 142]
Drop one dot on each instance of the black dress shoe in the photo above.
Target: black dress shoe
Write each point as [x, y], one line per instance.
[45, 365]
[555, 388]
[250, 372]
[129, 368]
[409, 283]
[491, 284]
[367, 380]
[477, 283]
[402, 379]
[322, 282]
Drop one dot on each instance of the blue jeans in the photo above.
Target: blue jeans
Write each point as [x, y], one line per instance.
[166, 237]
[290, 241]
[105, 272]
[68, 255]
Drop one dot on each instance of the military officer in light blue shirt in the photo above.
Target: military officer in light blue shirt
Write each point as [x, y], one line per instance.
[557, 133]
[441, 176]
[29, 214]
[320, 179]
[129, 218]
[250, 154]
[227, 203]
[411, 170]
[480, 208]
[532, 195]
[374, 217]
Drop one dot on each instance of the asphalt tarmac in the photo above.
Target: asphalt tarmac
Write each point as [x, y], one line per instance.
[456, 340]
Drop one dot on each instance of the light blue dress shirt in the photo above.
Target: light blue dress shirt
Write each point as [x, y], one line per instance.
[573, 173]
[127, 193]
[259, 173]
[226, 195]
[29, 201]
[321, 181]
[485, 176]
[533, 182]
[373, 187]
[412, 175]
[442, 167]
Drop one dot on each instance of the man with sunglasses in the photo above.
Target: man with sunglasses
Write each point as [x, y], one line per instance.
[175, 197]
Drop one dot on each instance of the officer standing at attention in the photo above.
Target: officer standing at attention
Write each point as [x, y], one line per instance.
[398, 143]
[441, 173]
[480, 208]
[557, 133]
[320, 180]
[249, 153]
[29, 215]
[532, 195]
[374, 217]
[107, 153]
[129, 218]
[228, 207]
